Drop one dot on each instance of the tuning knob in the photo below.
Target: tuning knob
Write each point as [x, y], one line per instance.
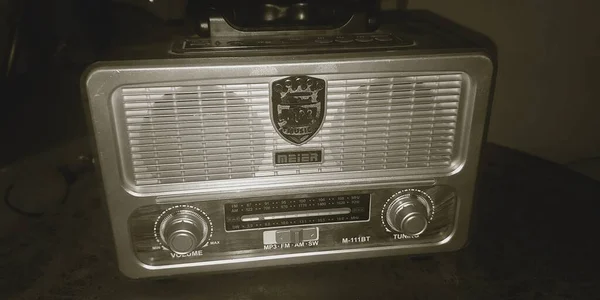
[183, 230]
[408, 213]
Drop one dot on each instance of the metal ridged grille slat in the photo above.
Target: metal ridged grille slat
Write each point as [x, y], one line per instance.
[193, 133]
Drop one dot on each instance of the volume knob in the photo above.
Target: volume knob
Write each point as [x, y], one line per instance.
[184, 230]
[408, 213]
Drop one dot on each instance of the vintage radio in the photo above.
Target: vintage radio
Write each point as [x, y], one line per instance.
[286, 139]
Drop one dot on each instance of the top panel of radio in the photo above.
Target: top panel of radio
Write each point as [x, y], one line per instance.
[356, 42]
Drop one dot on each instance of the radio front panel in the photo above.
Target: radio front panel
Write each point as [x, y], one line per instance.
[216, 157]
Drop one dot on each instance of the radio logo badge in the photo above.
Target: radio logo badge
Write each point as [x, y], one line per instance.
[298, 107]
[297, 157]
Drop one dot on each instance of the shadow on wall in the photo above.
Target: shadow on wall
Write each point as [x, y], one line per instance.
[549, 57]
[41, 99]
[59, 38]
[3, 30]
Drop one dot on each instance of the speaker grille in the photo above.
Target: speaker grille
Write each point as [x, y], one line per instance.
[207, 132]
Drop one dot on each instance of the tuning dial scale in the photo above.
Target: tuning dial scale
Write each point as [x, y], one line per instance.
[408, 212]
[183, 229]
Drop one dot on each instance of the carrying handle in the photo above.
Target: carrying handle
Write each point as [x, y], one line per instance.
[291, 18]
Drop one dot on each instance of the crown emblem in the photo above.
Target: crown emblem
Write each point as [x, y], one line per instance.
[298, 107]
[300, 90]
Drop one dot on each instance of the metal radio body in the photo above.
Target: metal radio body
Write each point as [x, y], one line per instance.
[246, 151]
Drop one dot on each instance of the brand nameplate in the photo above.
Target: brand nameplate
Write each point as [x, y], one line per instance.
[298, 157]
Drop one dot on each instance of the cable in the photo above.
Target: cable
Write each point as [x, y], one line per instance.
[69, 176]
[16, 209]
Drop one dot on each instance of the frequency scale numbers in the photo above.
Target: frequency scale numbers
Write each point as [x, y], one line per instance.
[295, 212]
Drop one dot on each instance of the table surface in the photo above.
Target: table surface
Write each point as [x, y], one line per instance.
[533, 238]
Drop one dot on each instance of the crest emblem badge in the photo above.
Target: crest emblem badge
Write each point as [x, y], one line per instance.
[298, 107]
